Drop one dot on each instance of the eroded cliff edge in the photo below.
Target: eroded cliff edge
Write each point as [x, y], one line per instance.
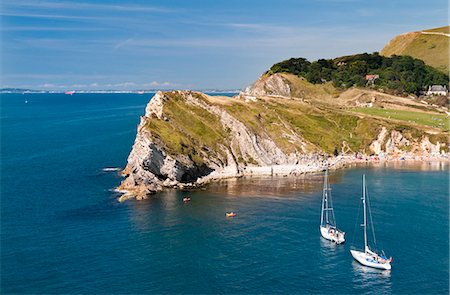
[188, 138]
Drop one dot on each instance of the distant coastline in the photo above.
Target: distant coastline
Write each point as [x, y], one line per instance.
[140, 91]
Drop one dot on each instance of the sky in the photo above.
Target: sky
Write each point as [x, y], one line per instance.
[181, 44]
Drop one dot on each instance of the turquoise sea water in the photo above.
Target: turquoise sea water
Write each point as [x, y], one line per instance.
[63, 232]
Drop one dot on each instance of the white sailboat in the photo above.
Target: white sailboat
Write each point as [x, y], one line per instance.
[368, 257]
[328, 228]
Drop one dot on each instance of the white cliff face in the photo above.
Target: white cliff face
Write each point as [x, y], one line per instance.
[140, 179]
[375, 146]
[149, 168]
[274, 85]
[244, 142]
[397, 144]
[395, 141]
[155, 106]
[428, 148]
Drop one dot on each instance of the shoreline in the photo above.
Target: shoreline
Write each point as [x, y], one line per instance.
[339, 162]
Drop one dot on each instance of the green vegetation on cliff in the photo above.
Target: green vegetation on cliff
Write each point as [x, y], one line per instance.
[293, 125]
[399, 74]
[187, 129]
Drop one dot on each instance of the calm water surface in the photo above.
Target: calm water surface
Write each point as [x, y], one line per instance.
[62, 230]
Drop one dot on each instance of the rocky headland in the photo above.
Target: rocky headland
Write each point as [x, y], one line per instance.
[281, 125]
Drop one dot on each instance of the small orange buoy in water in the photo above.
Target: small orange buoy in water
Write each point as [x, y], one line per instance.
[230, 214]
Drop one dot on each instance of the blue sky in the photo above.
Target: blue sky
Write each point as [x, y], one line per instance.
[104, 44]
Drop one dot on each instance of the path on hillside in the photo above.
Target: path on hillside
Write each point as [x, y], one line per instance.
[435, 33]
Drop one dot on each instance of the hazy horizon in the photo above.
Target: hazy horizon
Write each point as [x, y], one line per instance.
[99, 45]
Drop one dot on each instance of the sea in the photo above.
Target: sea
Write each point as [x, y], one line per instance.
[64, 232]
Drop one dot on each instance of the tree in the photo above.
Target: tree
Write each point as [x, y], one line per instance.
[400, 74]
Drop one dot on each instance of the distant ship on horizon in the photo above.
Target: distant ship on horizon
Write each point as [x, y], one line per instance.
[71, 92]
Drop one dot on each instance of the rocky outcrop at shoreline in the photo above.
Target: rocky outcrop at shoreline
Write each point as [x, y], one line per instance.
[186, 139]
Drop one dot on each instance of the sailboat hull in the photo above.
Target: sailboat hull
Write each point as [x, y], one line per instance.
[335, 236]
[370, 260]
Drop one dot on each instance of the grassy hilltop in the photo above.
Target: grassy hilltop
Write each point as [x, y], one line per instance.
[432, 48]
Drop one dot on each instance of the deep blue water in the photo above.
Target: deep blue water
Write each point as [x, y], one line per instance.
[62, 230]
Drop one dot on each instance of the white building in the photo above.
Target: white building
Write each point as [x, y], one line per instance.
[437, 90]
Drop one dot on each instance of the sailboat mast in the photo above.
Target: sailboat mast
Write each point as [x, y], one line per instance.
[321, 215]
[325, 191]
[365, 218]
[323, 198]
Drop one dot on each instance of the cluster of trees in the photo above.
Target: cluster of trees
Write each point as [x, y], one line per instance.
[400, 74]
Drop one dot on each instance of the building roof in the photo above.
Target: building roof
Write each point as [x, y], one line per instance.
[372, 77]
[438, 88]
